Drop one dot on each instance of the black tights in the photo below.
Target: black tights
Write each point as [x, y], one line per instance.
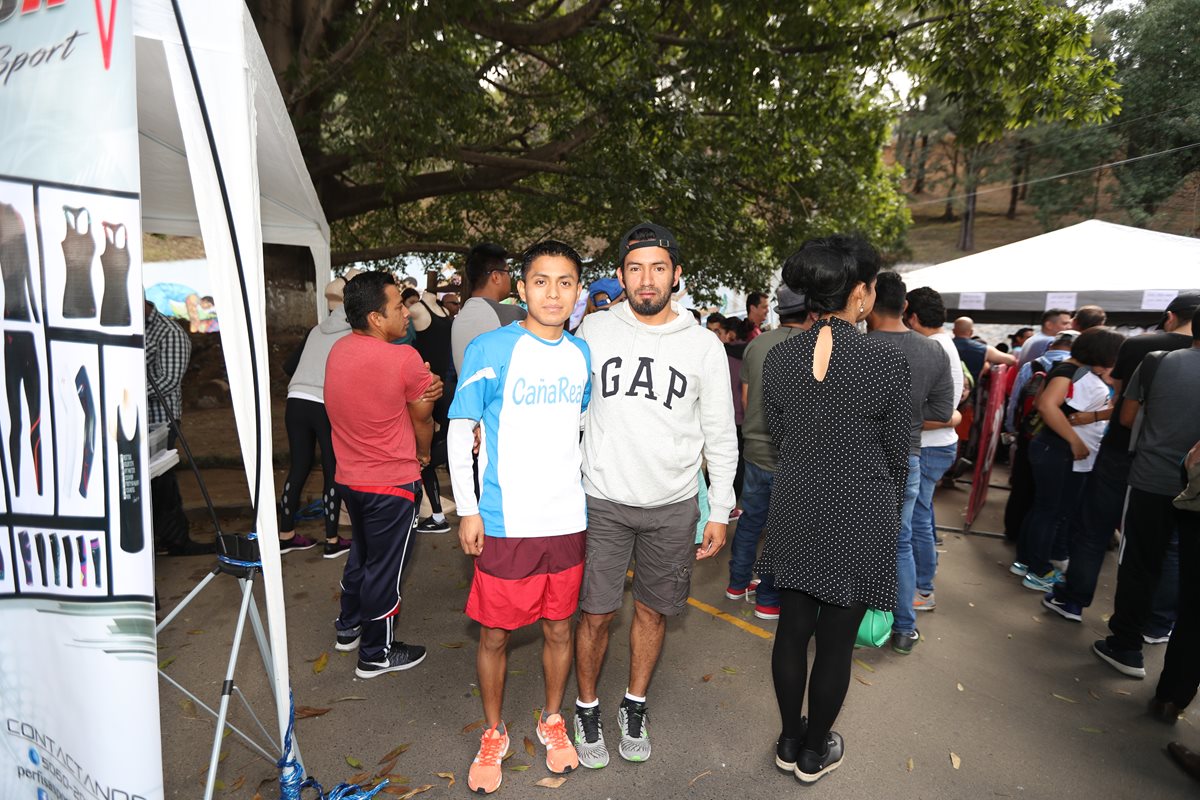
[308, 426]
[800, 616]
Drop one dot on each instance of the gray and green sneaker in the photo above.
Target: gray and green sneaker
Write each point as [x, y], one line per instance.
[633, 719]
[589, 738]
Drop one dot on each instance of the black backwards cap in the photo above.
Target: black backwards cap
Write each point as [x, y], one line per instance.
[662, 238]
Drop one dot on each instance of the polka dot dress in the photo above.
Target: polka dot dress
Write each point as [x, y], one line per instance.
[843, 459]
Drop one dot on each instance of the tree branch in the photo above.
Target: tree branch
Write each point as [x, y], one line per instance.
[339, 59]
[343, 257]
[492, 23]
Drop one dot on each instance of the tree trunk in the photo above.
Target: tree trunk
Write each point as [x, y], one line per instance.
[966, 234]
[923, 160]
[1017, 182]
[948, 215]
[1096, 197]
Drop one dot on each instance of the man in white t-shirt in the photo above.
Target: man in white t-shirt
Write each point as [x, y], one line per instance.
[926, 314]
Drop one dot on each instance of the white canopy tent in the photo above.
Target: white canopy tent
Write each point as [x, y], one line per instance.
[268, 197]
[1120, 268]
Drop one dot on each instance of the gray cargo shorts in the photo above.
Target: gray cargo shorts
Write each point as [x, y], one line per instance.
[661, 540]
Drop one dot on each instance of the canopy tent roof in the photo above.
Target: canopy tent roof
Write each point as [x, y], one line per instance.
[1124, 270]
[289, 210]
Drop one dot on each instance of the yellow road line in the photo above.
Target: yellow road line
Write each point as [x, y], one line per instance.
[748, 627]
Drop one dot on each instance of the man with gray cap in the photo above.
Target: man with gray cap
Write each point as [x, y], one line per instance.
[761, 458]
[661, 406]
[1103, 503]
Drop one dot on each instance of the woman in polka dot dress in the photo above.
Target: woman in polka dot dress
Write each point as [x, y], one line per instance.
[837, 405]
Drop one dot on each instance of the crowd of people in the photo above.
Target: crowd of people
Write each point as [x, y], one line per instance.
[825, 443]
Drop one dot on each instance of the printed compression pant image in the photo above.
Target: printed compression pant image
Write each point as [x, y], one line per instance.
[70, 556]
[82, 559]
[26, 556]
[95, 543]
[55, 555]
[79, 300]
[83, 388]
[39, 541]
[21, 369]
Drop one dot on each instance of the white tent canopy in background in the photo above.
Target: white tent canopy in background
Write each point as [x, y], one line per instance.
[1120, 268]
[270, 196]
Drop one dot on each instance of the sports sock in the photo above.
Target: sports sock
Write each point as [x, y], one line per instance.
[439, 517]
[634, 697]
[592, 704]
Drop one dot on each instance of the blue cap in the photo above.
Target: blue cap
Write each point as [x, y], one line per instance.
[608, 286]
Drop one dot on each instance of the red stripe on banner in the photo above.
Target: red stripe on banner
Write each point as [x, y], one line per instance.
[106, 34]
[392, 490]
[33, 5]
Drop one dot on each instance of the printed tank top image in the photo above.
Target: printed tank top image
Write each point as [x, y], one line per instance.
[129, 484]
[79, 249]
[114, 309]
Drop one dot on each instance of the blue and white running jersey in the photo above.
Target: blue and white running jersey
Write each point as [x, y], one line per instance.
[528, 394]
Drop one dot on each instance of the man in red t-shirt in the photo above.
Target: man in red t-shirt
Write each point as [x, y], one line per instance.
[381, 416]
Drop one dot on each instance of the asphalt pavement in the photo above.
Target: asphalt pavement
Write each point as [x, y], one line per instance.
[1001, 698]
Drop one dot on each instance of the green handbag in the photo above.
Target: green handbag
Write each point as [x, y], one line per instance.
[875, 628]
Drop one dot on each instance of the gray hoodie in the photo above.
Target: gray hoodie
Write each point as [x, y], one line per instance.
[660, 406]
[308, 381]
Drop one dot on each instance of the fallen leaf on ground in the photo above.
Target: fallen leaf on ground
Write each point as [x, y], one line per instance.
[529, 747]
[972, 605]
[1064, 699]
[1037, 619]
[219, 785]
[354, 762]
[462, 584]
[729, 670]
[237, 783]
[321, 663]
[449, 775]
[910, 765]
[451, 645]
[359, 779]
[510, 754]
[395, 752]
[706, 678]
[519, 767]
[166, 662]
[475, 691]
[349, 697]
[416, 791]
[1091, 730]
[537, 715]
[396, 778]
[864, 665]
[472, 726]
[1121, 691]
[516, 672]
[746, 613]
[960, 688]
[189, 708]
[1093, 695]
[863, 681]
[386, 769]
[304, 712]
[398, 790]
[1105, 617]
[224, 755]
[550, 783]
[257, 796]
[195, 631]
[692, 782]
[955, 761]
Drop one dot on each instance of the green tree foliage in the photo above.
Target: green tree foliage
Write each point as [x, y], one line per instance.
[1005, 65]
[1155, 46]
[747, 126]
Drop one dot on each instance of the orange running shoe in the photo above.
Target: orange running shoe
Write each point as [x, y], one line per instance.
[561, 757]
[486, 773]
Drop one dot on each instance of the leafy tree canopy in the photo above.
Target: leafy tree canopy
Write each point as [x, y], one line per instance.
[746, 126]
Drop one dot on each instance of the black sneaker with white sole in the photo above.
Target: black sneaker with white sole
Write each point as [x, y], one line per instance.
[401, 657]
[787, 750]
[347, 640]
[431, 525]
[813, 766]
[1126, 662]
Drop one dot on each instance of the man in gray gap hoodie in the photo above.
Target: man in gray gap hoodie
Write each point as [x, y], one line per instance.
[661, 406]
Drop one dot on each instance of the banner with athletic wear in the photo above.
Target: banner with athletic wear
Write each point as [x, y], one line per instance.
[78, 662]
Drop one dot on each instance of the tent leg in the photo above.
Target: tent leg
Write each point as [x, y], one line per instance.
[227, 688]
